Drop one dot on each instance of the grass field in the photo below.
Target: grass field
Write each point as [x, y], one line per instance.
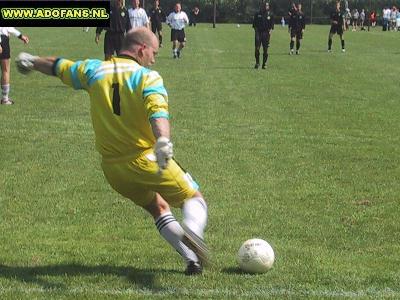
[304, 155]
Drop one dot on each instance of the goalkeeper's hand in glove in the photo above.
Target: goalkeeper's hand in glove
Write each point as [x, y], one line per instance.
[164, 152]
[25, 62]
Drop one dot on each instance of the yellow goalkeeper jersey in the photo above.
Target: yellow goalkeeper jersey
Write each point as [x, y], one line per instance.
[124, 97]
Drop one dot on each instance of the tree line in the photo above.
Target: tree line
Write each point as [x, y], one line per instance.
[242, 11]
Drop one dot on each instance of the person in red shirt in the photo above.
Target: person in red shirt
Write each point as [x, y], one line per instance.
[372, 18]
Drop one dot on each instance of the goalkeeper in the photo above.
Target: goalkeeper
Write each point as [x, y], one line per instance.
[129, 111]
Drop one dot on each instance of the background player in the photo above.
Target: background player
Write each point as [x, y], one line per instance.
[292, 25]
[263, 24]
[337, 26]
[138, 16]
[132, 132]
[119, 25]
[5, 60]
[157, 16]
[297, 26]
[177, 20]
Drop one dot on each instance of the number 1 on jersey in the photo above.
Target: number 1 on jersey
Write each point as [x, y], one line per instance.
[116, 99]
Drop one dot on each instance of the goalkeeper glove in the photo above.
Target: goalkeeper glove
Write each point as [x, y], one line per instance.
[25, 62]
[164, 152]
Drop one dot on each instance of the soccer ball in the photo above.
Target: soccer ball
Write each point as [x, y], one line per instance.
[255, 256]
[238, 25]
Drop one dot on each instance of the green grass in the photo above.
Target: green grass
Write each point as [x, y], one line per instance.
[304, 155]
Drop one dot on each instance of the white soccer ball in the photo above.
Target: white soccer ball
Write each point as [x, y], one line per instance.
[255, 256]
[238, 25]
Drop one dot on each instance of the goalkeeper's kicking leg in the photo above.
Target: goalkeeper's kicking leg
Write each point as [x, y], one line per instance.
[187, 240]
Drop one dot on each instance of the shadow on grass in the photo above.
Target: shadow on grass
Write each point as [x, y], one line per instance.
[249, 67]
[232, 270]
[142, 278]
[236, 270]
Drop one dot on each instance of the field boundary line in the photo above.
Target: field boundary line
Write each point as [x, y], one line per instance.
[370, 292]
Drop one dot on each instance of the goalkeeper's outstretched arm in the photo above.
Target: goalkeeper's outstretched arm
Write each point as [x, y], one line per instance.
[45, 65]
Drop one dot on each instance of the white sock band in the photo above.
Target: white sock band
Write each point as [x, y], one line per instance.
[5, 91]
[172, 232]
[195, 215]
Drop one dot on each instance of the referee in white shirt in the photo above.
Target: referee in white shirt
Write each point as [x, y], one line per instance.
[177, 20]
[138, 16]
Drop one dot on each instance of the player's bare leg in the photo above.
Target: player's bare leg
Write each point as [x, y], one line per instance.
[330, 42]
[342, 42]
[175, 49]
[265, 57]
[292, 40]
[181, 46]
[257, 57]
[160, 36]
[5, 82]
[298, 44]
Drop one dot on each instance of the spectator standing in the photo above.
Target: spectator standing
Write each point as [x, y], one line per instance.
[372, 18]
[393, 17]
[362, 19]
[386, 19]
[356, 15]
[194, 14]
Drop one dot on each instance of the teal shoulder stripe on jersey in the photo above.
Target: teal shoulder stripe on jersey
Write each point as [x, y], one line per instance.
[135, 79]
[155, 90]
[91, 66]
[75, 75]
[91, 71]
[160, 114]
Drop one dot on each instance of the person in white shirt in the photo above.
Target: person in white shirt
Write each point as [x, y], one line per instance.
[138, 16]
[393, 16]
[362, 19]
[177, 20]
[386, 19]
[5, 60]
[356, 15]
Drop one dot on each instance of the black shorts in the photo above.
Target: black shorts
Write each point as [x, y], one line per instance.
[156, 27]
[112, 43]
[5, 45]
[261, 38]
[336, 29]
[178, 35]
[296, 33]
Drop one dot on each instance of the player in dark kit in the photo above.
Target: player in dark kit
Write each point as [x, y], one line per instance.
[297, 26]
[263, 24]
[337, 21]
[157, 16]
[291, 15]
[119, 25]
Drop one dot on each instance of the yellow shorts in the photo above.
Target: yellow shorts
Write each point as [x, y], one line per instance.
[139, 180]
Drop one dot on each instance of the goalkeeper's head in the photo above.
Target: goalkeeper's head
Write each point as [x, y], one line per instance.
[141, 44]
